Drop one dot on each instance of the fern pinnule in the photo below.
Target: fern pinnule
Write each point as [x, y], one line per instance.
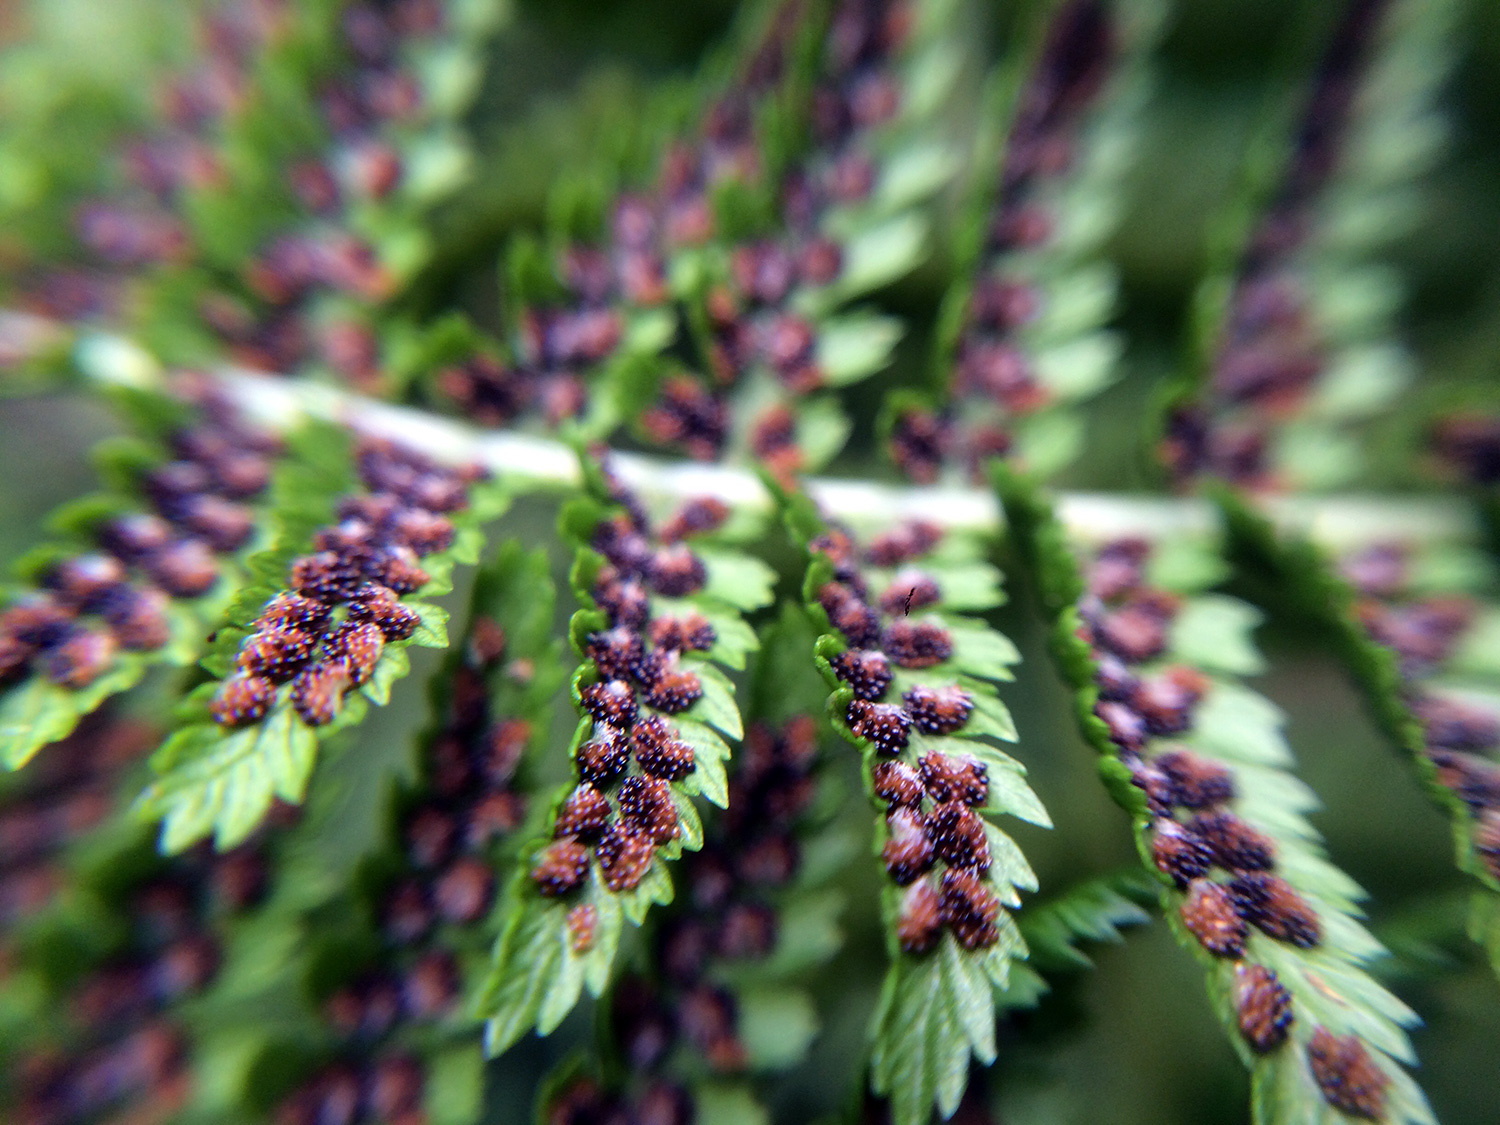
[584, 314]
[425, 900]
[735, 895]
[1020, 339]
[1418, 619]
[150, 565]
[654, 712]
[1219, 818]
[345, 121]
[1295, 351]
[121, 1044]
[953, 876]
[321, 631]
[1056, 926]
[722, 1001]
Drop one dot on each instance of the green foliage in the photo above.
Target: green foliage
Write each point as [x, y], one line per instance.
[218, 781]
[407, 236]
[1237, 730]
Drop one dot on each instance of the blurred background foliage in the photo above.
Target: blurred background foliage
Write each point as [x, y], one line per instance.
[1133, 1043]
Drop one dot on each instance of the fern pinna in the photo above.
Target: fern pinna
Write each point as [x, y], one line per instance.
[777, 825]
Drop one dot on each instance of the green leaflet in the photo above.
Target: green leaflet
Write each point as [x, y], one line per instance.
[933, 1013]
[536, 977]
[1435, 568]
[1233, 726]
[710, 753]
[35, 711]
[1060, 343]
[937, 1006]
[454, 1089]
[736, 579]
[1283, 1092]
[1336, 426]
[284, 959]
[1095, 911]
[218, 781]
[38, 712]
[777, 1025]
[222, 784]
[1212, 632]
[855, 345]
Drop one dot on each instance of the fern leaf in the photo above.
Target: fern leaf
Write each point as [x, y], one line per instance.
[1416, 620]
[590, 317]
[298, 664]
[648, 692]
[606, 309]
[753, 917]
[1021, 339]
[1222, 822]
[1054, 928]
[144, 570]
[1295, 352]
[930, 765]
[771, 315]
[418, 909]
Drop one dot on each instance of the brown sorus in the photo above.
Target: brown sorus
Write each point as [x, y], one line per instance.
[582, 921]
[1348, 1077]
[897, 783]
[958, 836]
[318, 690]
[242, 699]
[1179, 852]
[970, 909]
[955, 778]
[624, 857]
[601, 760]
[867, 672]
[646, 802]
[884, 724]
[938, 710]
[921, 920]
[1269, 903]
[917, 644]
[584, 815]
[560, 867]
[612, 702]
[908, 852]
[1210, 914]
[1234, 844]
[675, 691]
[1195, 782]
[275, 654]
[1263, 1006]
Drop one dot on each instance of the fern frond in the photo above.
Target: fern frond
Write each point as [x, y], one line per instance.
[587, 318]
[1200, 762]
[1020, 338]
[662, 613]
[315, 638]
[385, 982]
[1294, 351]
[769, 313]
[1416, 618]
[954, 875]
[718, 1003]
[145, 567]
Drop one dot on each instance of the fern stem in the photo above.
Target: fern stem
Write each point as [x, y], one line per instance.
[545, 463]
